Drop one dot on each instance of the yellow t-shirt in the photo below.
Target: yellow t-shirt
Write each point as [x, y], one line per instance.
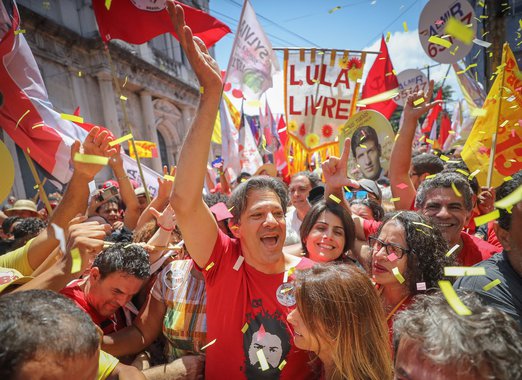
[106, 365]
[18, 260]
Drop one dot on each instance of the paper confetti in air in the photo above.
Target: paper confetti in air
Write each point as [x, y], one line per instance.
[169, 177]
[423, 225]
[444, 158]
[121, 139]
[421, 286]
[464, 271]
[238, 263]
[459, 30]
[462, 171]
[491, 285]
[76, 260]
[334, 9]
[453, 299]
[430, 141]
[282, 365]
[405, 26]
[38, 125]
[430, 176]
[511, 199]
[482, 43]
[124, 98]
[244, 328]
[508, 178]
[392, 257]
[60, 236]
[483, 219]
[209, 266]
[208, 345]
[73, 118]
[334, 198]
[402, 186]
[108, 4]
[472, 175]
[21, 117]
[439, 41]
[388, 37]
[262, 360]
[91, 159]
[455, 190]
[453, 249]
[19, 31]
[398, 275]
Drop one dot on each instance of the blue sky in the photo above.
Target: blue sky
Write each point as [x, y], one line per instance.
[356, 25]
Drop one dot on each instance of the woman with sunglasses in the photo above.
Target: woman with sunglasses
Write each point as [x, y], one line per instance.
[408, 257]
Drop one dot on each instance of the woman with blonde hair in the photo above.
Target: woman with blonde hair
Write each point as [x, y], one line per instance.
[340, 318]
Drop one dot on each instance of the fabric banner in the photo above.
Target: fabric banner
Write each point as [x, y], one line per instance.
[138, 21]
[433, 114]
[319, 93]
[230, 139]
[248, 153]
[252, 61]
[503, 116]
[146, 149]
[473, 93]
[151, 177]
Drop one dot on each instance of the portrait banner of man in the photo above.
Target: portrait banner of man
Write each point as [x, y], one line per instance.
[372, 140]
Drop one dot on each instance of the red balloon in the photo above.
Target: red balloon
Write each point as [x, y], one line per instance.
[237, 93]
[227, 87]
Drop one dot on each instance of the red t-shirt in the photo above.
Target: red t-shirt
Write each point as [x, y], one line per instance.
[246, 313]
[108, 325]
[475, 250]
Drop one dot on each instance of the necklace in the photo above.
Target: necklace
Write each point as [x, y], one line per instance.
[396, 308]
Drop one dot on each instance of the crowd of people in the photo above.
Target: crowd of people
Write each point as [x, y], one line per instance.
[323, 278]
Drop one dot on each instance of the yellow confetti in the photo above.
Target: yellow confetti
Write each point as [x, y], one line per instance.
[418, 101]
[362, 146]
[124, 98]
[444, 158]
[201, 90]
[398, 275]
[38, 125]
[334, 198]
[208, 345]
[472, 175]
[429, 141]
[462, 171]
[459, 30]
[121, 139]
[169, 177]
[282, 365]
[21, 117]
[439, 41]
[80, 74]
[508, 178]
[73, 118]
[91, 159]
[423, 225]
[491, 285]
[388, 37]
[397, 199]
[464, 271]
[453, 249]
[108, 4]
[76, 260]
[453, 299]
[334, 9]
[125, 82]
[511, 199]
[430, 176]
[245, 328]
[405, 26]
[483, 219]
[19, 31]
[455, 190]
[262, 360]
[504, 123]
[209, 266]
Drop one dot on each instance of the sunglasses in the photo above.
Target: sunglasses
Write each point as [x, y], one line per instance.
[357, 194]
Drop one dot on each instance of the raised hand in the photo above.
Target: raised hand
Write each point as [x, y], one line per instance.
[164, 185]
[335, 170]
[415, 112]
[166, 219]
[96, 143]
[205, 67]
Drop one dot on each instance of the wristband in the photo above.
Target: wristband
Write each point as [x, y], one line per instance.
[166, 229]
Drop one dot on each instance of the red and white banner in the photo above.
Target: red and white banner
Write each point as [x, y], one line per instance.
[229, 140]
[252, 61]
[138, 21]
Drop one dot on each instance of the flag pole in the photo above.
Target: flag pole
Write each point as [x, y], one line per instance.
[126, 120]
[39, 184]
[35, 198]
[494, 138]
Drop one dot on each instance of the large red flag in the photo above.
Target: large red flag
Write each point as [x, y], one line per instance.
[138, 21]
[381, 81]
[432, 115]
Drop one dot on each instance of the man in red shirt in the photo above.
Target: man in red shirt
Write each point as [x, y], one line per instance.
[247, 278]
[116, 275]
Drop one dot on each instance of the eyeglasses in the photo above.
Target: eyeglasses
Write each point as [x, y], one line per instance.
[358, 194]
[377, 244]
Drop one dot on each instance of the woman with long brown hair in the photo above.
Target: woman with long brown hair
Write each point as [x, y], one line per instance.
[340, 318]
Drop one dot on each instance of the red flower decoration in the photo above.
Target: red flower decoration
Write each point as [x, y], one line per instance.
[354, 63]
[327, 130]
[302, 130]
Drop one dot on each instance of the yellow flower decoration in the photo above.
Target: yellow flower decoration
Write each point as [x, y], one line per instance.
[355, 74]
[312, 140]
[343, 63]
[292, 126]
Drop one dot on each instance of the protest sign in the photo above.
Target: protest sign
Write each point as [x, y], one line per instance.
[411, 81]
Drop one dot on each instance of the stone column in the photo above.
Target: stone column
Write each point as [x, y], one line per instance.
[79, 94]
[110, 113]
[150, 126]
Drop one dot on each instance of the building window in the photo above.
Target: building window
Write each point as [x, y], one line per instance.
[162, 150]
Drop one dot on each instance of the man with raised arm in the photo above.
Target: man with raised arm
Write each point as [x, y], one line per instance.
[247, 278]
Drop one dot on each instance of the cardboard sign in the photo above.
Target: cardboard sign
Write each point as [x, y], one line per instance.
[410, 81]
[432, 22]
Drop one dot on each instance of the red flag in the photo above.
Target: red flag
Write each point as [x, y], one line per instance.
[137, 22]
[432, 115]
[380, 80]
[279, 155]
[445, 127]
